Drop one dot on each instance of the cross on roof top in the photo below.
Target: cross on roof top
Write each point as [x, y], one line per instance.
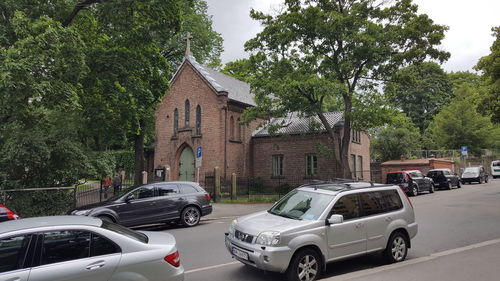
[188, 44]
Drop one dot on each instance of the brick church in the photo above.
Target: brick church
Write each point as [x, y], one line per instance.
[201, 114]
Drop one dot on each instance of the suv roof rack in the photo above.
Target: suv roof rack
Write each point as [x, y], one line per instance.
[347, 183]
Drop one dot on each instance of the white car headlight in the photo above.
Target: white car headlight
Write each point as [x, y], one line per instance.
[81, 213]
[268, 238]
[232, 227]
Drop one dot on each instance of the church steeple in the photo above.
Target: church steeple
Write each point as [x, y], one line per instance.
[188, 44]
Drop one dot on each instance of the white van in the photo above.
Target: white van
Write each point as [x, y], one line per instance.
[495, 168]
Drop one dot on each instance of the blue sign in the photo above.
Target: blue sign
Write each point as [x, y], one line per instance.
[464, 148]
[199, 151]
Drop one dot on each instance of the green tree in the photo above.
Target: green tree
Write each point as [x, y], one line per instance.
[420, 90]
[490, 66]
[241, 69]
[459, 123]
[314, 50]
[400, 138]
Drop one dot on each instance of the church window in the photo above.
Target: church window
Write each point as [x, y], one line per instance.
[176, 121]
[238, 129]
[231, 128]
[198, 120]
[278, 165]
[311, 165]
[186, 113]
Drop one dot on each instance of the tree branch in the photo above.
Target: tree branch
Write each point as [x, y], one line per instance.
[77, 9]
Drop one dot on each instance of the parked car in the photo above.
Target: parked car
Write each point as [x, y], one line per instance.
[6, 214]
[323, 222]
[161, 202]
[81, 248]
[474, 174]
[411, 182]
[444, 178]
[495, 168]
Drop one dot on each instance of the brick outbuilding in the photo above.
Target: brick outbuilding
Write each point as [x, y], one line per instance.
[204, 107]
[424, 165]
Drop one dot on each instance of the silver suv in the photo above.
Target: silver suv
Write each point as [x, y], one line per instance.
[323, 222]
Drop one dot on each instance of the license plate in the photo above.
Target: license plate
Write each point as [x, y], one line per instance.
[240, 254]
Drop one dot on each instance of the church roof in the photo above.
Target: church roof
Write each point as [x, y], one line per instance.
[237, 90]
[296, 124]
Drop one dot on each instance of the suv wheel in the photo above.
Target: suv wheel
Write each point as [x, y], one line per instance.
[450, 186]
[397, 247]
[190, 216]
[414, 190]
[305, 266]
[431, 189]
[459, 185]
[486, 179]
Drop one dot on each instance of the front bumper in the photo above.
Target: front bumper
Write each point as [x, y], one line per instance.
[262, 257]
[470, 180]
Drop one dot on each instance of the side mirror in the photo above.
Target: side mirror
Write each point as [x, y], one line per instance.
[130, 197]
[335, 219]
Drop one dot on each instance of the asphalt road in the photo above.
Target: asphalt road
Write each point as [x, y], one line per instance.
[448, 220]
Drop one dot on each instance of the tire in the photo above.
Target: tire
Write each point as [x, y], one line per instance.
[106, 218]
[486, 180]
[431, 190]
[190, 216]
[414, 190]
[450, 186]
[459, 185]
[305, 265]
[397, 248]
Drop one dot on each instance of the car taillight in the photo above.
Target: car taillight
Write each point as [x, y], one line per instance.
[10, 214]
[173, 259]
[207, 196]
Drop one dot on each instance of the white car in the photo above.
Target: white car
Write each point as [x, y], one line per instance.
[495, 168]
[74, 248]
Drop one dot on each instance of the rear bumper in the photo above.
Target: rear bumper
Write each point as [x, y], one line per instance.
[469, 179]
[206, 210]
[412, 230]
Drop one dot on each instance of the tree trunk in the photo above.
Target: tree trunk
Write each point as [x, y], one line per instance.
[335, 144]
[139, 155]
[346, 139]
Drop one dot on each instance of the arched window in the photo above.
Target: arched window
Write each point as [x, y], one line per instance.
[198, 120]
[176, 121]
[231, 128]
[186, 113]
[238, 129]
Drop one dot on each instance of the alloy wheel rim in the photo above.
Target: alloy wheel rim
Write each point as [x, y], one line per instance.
[398, 248]
[191, 216]
[308, 268]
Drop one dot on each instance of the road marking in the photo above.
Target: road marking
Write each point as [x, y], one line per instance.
[210, 267]
[379, 269]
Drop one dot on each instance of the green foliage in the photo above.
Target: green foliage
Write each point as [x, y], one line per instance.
[490, 66]
[420, 91]
[459, 123]
[41, 203]
[241, 69]
[398, 139]
[316, 53]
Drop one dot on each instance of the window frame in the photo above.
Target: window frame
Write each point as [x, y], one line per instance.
[311, 170]
[277, 165]
[176, 122]
[358, 204]
[187, 109]
[198, 120]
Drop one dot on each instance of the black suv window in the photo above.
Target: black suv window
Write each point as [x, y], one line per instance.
[186, 188]
[60, 246]
[143, 192]
[391, 200]
[13, 252]
[372, 203]
[168, 189]
[347, 206]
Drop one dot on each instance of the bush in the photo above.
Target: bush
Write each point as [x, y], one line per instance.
[40, 203]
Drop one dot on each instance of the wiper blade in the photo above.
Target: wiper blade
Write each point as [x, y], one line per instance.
[284, 215]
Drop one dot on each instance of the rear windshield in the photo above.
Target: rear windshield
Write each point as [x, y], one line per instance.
[434, 173]
[495, 164]
[125, 231]
[396, 178]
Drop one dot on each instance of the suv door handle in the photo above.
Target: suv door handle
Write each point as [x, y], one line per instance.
[359, 225]
[96, 265]
[388, 219]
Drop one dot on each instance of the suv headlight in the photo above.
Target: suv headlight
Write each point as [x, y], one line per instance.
[232, 227]
[268, 238]
[81, 212]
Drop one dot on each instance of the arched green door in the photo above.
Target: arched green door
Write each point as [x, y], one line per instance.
[186, 165]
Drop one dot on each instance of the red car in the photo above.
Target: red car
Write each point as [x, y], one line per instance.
[6, 214]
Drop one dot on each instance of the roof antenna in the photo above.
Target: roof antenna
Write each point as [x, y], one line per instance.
[188, 39]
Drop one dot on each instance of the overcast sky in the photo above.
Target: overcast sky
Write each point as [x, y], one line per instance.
[468, 38]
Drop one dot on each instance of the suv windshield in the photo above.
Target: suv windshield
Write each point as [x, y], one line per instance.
[125, 231]
[299, 204]
[396, 178]
[471, 170]
[495, 164]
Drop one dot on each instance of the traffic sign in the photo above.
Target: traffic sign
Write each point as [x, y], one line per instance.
[464, 150]
[199, 151]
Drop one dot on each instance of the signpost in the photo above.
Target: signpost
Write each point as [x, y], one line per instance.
[199, 154]
[464, 150]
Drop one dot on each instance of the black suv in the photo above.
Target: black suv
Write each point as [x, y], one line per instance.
[444, 178]
[161, 202]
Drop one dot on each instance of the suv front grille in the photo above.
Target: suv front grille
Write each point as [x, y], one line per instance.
[243, 236]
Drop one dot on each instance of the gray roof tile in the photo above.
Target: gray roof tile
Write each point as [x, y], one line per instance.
[295, 124]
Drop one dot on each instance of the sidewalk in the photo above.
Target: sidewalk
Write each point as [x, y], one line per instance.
[228, 210]
[479, 262]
